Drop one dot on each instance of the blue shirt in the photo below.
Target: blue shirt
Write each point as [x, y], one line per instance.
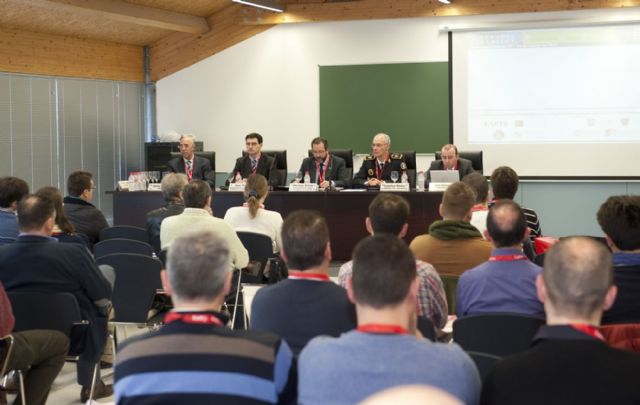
[8, 226]
[500, 286]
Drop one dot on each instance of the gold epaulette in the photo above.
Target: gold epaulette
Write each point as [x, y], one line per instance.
[369, 157]
[397, 156]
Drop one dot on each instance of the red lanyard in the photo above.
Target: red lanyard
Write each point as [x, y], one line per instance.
[301, 275]
[507, 258]
[479, 207]
[202, 319]
[189, 168]
[322, 174]
[588, 330]
[383, 329]
[380, 170]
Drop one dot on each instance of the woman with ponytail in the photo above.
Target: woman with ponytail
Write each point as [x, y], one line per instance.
[252, 217]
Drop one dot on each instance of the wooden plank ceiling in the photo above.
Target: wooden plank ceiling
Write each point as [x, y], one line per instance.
[105, 38]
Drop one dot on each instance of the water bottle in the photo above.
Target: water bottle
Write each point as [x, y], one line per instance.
[404, 178]
[420, 185]
[132, 181]
[307, 178]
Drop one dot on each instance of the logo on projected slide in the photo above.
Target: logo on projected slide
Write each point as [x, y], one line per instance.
[498, 135]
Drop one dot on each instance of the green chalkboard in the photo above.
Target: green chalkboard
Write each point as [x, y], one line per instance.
[408, 101]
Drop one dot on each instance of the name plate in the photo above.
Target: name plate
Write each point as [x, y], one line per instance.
[154, 187]
[123, 185]
[438, 186]
[236, 187]
[296, 187]
[394, 187]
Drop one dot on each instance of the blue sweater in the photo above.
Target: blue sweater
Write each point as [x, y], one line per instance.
[347, 369]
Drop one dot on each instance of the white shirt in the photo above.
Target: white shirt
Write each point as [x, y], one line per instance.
[266, 222]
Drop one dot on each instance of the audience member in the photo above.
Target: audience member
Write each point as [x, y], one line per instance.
[307, 304]
[190, 164]
[389, 213]
[453, 245]
[569, 362]
[619, 218]
[41, 352]
[377, 167]
[507, 282]
[480, 210]
[504, 184]
[84, 216]
[252, 216]
[36, 262]
[194, 359]
[197, 215]
[324, 168]
[172, 185]
[12, 190]
[450, 160]
[63, 230]
[412, 395]
[384, 351]
[255, 162]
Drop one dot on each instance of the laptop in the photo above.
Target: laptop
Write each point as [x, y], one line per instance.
[444, 176]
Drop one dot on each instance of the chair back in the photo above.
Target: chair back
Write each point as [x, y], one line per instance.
[260, 249]
[163, 257]
[6, 241]
[121, 245]
[425, 326]
[410, 160]
[281, 163]
[497, 334]
[125, 232]
[475, 156]
[450, 284]
[483, 362]
[137, 280]
[625, 336]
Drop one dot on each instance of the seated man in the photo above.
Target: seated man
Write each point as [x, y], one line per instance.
[479, 212]
[325, 168]
[389, 213]
[619, 218]
[453, 245]
[254, 162]
[507, 282]
[197, 215]
[42, 352]
[194, 359]
[504, 184]
[307, 304]
[36, 262]
[384, 351]
[172, 185]
[195, 167]
[377, 167]
[450, 160]
[569, 362]
[84, 216]
[12, 189]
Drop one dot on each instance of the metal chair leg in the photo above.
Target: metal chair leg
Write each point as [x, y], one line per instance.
[21, 383]
[235, 304]
[93, 381]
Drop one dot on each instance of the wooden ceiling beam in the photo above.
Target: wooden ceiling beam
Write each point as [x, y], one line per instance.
[119, 10]
[383, 9]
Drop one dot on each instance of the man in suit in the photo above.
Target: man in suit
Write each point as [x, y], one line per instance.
[450, 160]
[377, 167]
[195, 167]
[569, 361]
[254, 161]
[325, 168]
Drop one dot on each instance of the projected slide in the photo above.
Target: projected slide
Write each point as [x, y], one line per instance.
[576, 86]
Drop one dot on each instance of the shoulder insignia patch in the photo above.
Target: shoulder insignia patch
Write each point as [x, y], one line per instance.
[403, 166]
[396, 156]
[369, 157]
[370, 172]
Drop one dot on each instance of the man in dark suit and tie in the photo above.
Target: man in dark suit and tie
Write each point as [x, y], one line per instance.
[450, 160]
[325, 168]
[254, 162]
[195, 167]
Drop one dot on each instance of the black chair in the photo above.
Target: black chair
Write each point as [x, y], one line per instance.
[281, 164]
[497, 334]
[410, 159]
[6, 351]
[121, 245]
[260, 249]
[209, 155]
[475, 156]
[484, 362]
[125, 232]
[347, 155]
[163, 257]
[425, 326]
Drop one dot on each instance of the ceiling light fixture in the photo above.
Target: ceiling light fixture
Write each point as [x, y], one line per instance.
[265, 4]
[445, 1]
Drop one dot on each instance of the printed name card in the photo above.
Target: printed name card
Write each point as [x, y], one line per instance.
[394, 187]
[154, 187]
[236, 187]
[297, 187]
[438, 186]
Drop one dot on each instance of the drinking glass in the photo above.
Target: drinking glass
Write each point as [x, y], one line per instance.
[394, 176]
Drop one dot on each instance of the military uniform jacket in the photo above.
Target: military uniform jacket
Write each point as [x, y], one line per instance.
[367, 171]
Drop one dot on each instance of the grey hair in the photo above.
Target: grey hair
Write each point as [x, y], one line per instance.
[188, 136]
[197, 265]
[172, 184]
[387, 138]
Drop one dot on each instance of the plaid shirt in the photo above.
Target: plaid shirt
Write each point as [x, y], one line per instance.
[432, 301]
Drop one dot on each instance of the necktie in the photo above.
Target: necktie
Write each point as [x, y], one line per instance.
[189, 169]
[254, 165]
[320, 174]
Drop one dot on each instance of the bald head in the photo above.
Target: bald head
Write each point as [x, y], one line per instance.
[577, 275]
[506, 224]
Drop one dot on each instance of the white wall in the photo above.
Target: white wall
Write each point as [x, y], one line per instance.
[269, 83]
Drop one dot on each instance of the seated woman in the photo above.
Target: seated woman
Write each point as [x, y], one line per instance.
[252, 217]
[63, 229]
